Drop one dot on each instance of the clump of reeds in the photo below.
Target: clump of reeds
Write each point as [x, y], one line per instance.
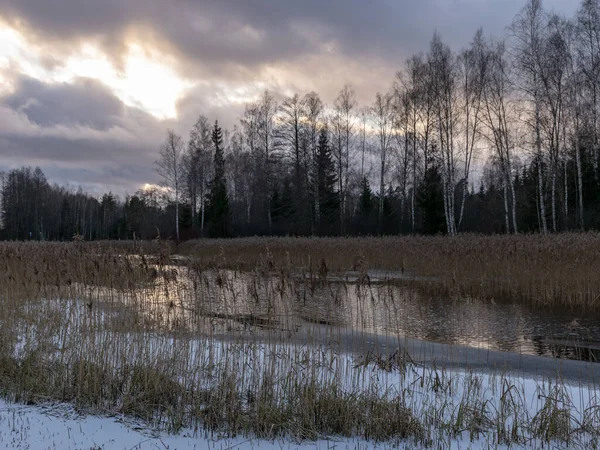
[182, 347]
[559, 270]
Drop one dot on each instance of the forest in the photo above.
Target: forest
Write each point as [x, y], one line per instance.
[501, 136]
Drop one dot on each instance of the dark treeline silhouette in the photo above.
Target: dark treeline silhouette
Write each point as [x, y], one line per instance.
[502, 136]
[34, 209]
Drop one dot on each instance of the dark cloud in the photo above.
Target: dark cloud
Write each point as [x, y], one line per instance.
[120, 165]
[79, 132]
[82, 133]
[84, 102]
[230, 33]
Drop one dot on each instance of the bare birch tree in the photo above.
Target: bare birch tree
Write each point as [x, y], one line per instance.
[250, 123]
[198, 165]
[575, 105]
[343, 128]
[472, 73]
[442, 66]
[588, 51]
[383, 116]
[268, 109]
[170, 167]
[553, 75]
[314, 116]
[402, 134]
[526, 34]
[497, 118]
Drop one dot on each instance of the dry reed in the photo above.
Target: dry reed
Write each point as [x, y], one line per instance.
[561, 270]
[114, 332]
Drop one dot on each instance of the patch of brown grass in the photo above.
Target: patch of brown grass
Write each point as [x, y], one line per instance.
[560, 270]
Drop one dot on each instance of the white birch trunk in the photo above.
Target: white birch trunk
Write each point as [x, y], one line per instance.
[538, 139]
[505, 192]
[553, 195]
[579, 178]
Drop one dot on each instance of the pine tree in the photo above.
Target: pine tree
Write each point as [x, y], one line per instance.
[431, 202]
[287, 200]
[218, 201]
[329, 202]
[365, 201]
[364, 215]
[389, 217]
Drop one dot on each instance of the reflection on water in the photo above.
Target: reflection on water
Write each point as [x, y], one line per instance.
[184, 298]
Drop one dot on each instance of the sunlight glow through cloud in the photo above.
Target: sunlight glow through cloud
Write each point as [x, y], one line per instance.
[144, 82]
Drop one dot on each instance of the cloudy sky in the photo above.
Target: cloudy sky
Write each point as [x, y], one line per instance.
[89, 87]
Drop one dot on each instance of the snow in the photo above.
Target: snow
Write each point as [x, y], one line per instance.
[439, 395]
[59, 426]
[51, 427]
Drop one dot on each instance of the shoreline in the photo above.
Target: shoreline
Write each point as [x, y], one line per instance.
[434, 354]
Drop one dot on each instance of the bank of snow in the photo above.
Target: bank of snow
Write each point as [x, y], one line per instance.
[458, 409]
[60, 427]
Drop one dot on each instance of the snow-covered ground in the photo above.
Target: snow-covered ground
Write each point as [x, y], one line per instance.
[428, 393]
[52, 427]
[60, 427]
[457, 408]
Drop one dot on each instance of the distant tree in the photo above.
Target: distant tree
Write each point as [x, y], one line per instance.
[343, 131]
[108, 207]
[314, 110]
[291, 136]
[383, 114]
[329, 201]
[186, 221]
[218, 201]
[66, 225]
[365, 202]
[389, 215]
[364, 213]
[198, 169]
[135, 209]
[282, 210]
[527, 48]
[170, 167]
[431, 202]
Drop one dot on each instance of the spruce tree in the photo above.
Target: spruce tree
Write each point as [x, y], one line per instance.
[430, 201]
[218, 201]
[389, 225]
[365, 201]
[329, 202]
[364, 214]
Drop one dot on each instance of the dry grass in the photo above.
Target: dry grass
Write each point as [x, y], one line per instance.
[112, 332]
[561, 270]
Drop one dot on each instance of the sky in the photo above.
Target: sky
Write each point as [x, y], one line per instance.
[88, 88]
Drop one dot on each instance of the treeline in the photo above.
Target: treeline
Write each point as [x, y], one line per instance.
[527, 105]
[34, 209]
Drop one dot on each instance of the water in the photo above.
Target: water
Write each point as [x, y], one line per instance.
[473, 323]
[224, 301]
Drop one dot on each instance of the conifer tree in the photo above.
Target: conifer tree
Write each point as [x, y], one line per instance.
[389, 213]
[366, 204]
[430, 201]
[329, 202]
[218, 200]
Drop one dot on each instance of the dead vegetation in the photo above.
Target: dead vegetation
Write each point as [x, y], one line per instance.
[561, 270]
[114, 332]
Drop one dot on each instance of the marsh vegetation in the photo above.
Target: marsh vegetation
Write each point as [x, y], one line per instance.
[274, 337]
